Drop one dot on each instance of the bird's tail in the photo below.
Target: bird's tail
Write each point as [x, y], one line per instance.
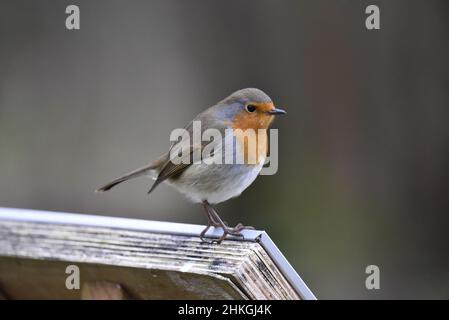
[133, 174]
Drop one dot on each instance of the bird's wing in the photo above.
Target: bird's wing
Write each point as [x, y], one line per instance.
[171, 169]
[188, 150]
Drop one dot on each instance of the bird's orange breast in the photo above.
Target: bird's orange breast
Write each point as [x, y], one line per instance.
[257, 120]
[250, 130]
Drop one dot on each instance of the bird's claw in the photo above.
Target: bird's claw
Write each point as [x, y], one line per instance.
[203, 233]
[234, 231]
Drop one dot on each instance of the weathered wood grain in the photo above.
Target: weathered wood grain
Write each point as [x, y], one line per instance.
[148, 265]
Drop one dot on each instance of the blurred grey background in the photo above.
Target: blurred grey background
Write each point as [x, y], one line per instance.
[364, 157]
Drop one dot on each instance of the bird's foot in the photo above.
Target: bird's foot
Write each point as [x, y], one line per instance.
[203, 233]
[234, 231]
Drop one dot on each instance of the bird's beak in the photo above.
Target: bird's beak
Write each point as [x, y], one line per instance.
[276, 111]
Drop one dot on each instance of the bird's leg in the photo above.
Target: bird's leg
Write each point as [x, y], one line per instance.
[210, 221]
[235, 231]
[210, 218]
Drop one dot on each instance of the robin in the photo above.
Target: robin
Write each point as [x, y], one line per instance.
[211, 183]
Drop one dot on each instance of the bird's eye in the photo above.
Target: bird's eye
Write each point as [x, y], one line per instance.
[250, 108]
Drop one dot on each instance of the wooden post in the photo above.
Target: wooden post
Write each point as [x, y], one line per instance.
[120, 258]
